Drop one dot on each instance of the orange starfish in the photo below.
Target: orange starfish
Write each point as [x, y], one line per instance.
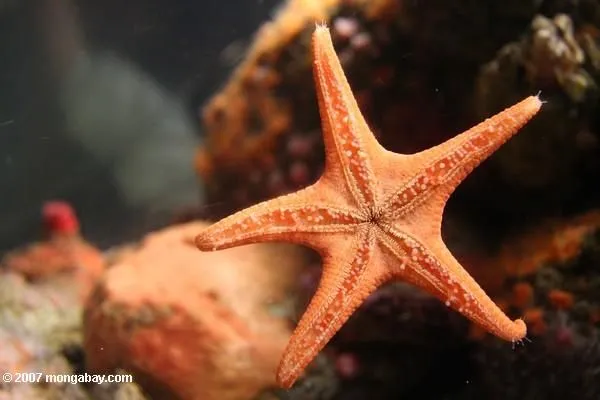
[373, 216]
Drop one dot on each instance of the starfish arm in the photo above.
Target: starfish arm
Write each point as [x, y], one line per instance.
[457, 157]
[295, 218]
[435, 270]
[349, 276]
[447, 164]
[346, 134]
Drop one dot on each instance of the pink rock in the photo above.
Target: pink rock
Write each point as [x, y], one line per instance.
[190, 324]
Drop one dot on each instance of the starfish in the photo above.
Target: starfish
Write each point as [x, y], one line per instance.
[373, 216]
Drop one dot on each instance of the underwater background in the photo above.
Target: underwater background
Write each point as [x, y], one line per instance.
[126, 128]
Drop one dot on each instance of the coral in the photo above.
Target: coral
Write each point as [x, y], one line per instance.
[34, 320]
[557, 241]
[192, 325]
[553, 165]
[40, 332]
[262, 129]
[543, 369]
[419, 76]
[42, 288]
[252, 111]
[59, 218]
[553, 273]
[548, 271]
[398, 346]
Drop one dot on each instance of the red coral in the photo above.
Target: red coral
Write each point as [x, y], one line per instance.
[60, 218]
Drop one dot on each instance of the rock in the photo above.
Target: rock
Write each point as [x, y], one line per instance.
[64, 255]
[36, 323]
[193, 325]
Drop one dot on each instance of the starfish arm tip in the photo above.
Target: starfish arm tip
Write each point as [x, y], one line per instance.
[321, 27]
[516, 331]
[285, 381]
[292, 363]
[538, 96]
[534, 103]
[520, 329]
[204, 242]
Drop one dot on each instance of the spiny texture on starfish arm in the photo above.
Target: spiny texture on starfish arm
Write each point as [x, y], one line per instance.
[373, 215]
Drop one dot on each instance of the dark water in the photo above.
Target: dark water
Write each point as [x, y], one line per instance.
[98, 106]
